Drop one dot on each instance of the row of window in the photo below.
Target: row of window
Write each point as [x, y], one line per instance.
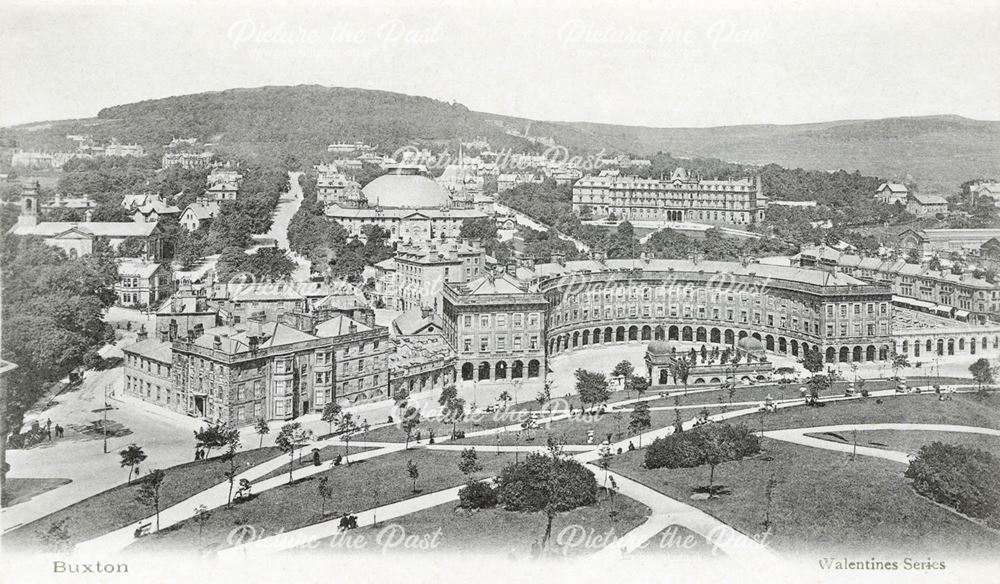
[489, 321]
[499, 343]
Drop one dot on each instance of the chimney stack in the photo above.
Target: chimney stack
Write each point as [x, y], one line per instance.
[426, 311]
[352, 327]
[142, 335]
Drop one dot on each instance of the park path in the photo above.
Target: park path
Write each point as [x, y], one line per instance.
[798, 436]
[216, 496]
[666, 511]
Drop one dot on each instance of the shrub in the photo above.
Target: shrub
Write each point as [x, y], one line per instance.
[459, 434]
[348, 522]
[477, 495]
[707, 444]
[960, 477]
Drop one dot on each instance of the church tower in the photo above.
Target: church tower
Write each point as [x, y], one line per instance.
[29, 206]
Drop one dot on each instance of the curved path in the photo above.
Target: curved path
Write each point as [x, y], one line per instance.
[666, 511]
[798, 436]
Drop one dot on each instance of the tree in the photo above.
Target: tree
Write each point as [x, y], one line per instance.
[411, 419]
[325, 493]
[546, 483]
[982, 372]
[592, 387]
[291, 437]
[640, 385]
[345, 427]
[262, 428]
[710, 444]
[149, 492]
[543, 396]
[469, 462]
[817, 384]
[131, 457]
[232, 445]
[812, 360]
[331, 411]
[216, 435]
[640, 420]
[201, 517]
[899, 361]
[413, 472]
[504, 398]
[624, 369]
[453, 409]
[680, 369]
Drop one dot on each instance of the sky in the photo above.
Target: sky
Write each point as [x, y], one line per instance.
[656, 63]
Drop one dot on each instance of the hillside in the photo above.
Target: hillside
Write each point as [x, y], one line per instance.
[294, 121]
[938, 152]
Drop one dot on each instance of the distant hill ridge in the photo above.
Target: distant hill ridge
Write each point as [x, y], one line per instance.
[938, 152]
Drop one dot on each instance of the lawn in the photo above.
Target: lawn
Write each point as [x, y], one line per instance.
[822, 501]
[364, 485]
[965, 409]
[574, 430]
[757, 393]
[910, 441]
[20, 490]
[510, 533]
[117, 507]
[305, 459]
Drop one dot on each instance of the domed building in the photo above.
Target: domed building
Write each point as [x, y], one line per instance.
[410, 206]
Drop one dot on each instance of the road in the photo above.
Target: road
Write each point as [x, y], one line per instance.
[288, 204]
[527, 221]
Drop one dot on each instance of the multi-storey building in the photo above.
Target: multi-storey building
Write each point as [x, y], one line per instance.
[420, 363]
[142, 283]
[148, 372]
[240, 302]
[892, 193]
[332, 186]
[682, 198]
[420, 272]
[497, 326]
[492, 323]
[77, 238]
[963, 297]
[198, 212]
[410, 207]
[927, 243]
[275, 371]
[189, 160]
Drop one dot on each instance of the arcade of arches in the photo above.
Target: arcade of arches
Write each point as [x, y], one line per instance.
[850, 353]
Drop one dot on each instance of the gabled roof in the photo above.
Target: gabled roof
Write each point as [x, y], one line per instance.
[102, 229]
[138, 268]
[413, 322]
[202, 211]
[893, 187]
[928, 199]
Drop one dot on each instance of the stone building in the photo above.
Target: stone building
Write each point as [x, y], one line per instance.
[682, 198]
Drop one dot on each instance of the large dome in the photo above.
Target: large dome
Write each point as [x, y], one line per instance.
[405, 190]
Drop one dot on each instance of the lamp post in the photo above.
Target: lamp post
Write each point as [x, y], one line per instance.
[104, 424]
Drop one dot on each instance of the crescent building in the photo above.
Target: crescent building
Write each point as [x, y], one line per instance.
[504, 326]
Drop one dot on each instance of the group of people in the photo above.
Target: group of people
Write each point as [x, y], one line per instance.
[59, 430]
